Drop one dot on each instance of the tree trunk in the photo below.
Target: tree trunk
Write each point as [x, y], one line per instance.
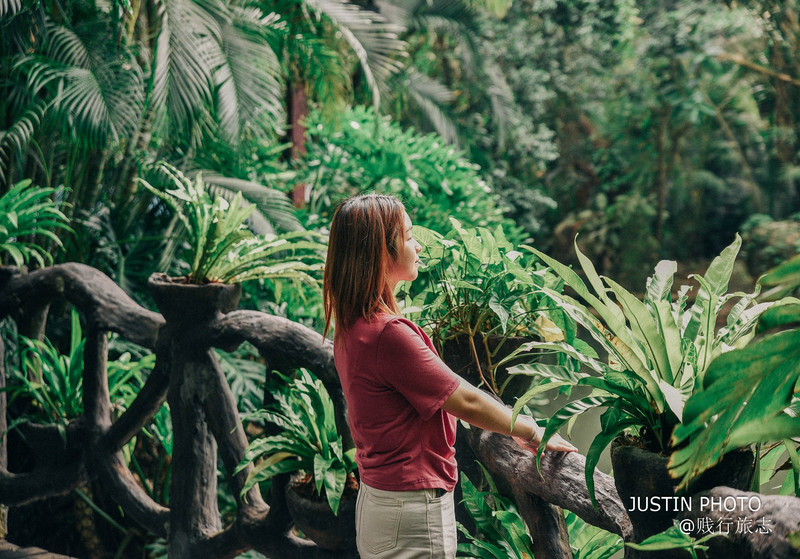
[298, 110]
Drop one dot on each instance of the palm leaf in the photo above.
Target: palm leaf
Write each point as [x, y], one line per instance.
[503, 103]
[185, 55]
[452, 18]
[10, 7]
[374, 40]
[273, 208]
[96, 93]
[249, 90]
[15, 140]
[432, 97]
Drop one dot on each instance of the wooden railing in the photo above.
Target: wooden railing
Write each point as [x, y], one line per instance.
[206, 423]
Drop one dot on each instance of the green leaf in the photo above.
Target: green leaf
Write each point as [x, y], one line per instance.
[742, 401]
[671, 333]
[714, 284]
[672, 538]
[335, 480]
[659, 286]
[310, 441]
[646, 331]
[784, 313]
[787, 273]
[599, 444]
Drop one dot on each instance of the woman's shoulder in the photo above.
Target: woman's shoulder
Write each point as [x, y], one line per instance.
[381, 323]
[382, 326]
[394, 327]
[395, 321]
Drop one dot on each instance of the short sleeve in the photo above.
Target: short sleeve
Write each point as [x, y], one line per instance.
[406, 362]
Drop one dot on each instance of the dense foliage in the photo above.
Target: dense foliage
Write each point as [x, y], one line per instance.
[651, 131]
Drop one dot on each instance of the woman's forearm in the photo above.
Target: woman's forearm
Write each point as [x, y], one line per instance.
[478, 408]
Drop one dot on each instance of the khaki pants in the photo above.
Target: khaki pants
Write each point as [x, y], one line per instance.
[405, 524]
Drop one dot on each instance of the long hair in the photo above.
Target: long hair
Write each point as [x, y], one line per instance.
[363, 241]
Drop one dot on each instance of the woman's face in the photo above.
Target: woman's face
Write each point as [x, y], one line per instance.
[404, 267]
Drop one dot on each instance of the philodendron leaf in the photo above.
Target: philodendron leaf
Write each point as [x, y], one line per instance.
[782, 314]
[742, 401]
[783, 278]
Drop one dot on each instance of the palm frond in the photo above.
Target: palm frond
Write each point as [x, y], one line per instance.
[65, 46]
[15, 140]
[273, 211]
[96, 93]
[186, 53]
[504, 106]
[249, 88]
[327, 77]
[432, 97]
[10, 7]
[454, 19]
[374, 40]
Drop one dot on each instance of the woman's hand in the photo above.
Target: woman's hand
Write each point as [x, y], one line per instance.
[478, 408]
[556, 442]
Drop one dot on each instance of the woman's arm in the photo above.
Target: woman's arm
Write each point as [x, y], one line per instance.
[478, 408]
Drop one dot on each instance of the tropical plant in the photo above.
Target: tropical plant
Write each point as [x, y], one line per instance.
[674, 538]
[318, 42]
[152, 448]
[309, 443]
[776, 457]
[244, 371]
[501, 531]
[222, 248]
[105, 93]
[590, 542]
[366, 152]
[479, 287]
[782, 280]
[748, 396]
[658, 350]
[51, 382]
[28, 212]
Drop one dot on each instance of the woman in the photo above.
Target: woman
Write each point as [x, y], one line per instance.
[402, 399]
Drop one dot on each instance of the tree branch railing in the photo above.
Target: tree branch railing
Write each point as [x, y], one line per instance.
[206, 425]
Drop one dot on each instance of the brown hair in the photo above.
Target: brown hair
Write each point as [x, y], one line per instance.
[364, 234]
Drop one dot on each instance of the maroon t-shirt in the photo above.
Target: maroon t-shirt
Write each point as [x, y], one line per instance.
[395, 384]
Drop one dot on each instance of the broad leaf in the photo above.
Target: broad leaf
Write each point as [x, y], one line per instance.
[741, 401]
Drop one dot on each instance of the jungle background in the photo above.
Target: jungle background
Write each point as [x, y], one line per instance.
[650, 130]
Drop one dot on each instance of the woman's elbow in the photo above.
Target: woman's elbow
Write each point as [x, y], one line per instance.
[465, 403]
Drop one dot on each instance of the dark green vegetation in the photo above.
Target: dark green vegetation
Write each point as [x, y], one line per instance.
[210, 140]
